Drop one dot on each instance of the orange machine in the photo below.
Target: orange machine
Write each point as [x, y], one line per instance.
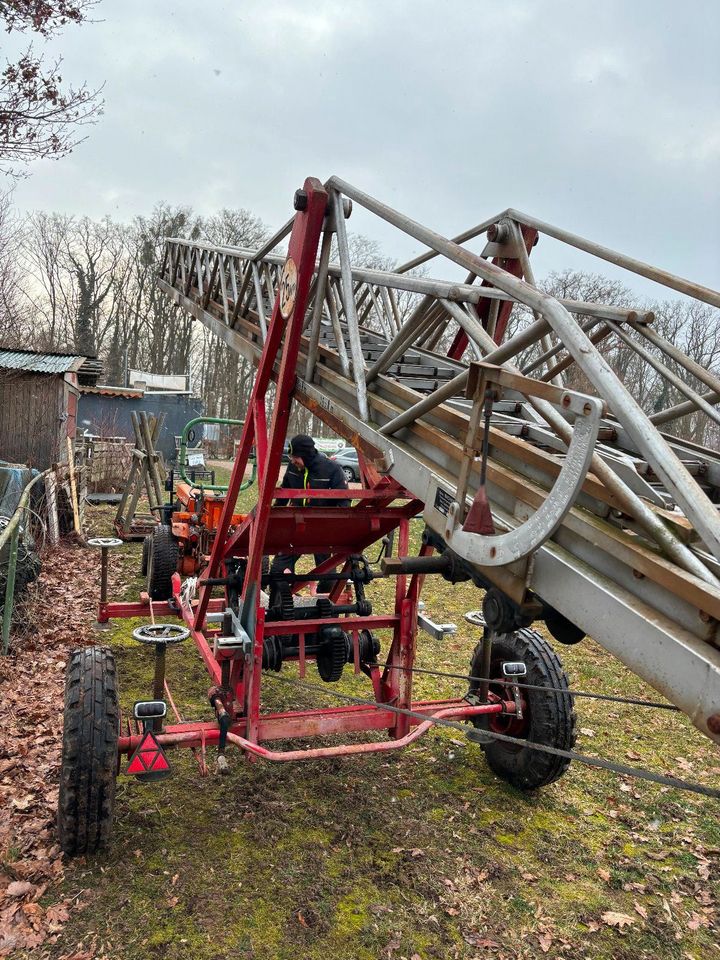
[184, 544]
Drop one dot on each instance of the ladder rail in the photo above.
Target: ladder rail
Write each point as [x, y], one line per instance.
[618, 565]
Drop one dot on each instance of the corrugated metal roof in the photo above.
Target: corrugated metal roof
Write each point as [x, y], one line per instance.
[108, 391]
[39, 362]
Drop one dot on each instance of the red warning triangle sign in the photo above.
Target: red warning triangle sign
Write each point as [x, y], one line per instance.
[148, 757]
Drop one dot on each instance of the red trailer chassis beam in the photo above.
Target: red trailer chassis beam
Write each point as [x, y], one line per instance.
[323, 722]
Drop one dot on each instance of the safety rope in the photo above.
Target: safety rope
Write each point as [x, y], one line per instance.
[622, 769]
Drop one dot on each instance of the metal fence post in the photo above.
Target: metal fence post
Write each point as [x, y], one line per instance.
[10, 589]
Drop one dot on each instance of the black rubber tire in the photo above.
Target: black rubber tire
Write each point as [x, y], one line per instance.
[145, 556]
[89, 752]
[549, 717]
[162, 563]
[349, 474]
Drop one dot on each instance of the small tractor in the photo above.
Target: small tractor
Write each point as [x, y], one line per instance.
[184, 539]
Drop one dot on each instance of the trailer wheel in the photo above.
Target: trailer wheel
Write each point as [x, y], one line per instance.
[89, 752]
[162, 562]
[548, 716]
[145, 556]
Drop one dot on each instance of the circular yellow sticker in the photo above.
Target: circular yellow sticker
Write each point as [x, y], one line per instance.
[288, 288]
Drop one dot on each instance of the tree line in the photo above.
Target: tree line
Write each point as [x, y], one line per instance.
[85, 285]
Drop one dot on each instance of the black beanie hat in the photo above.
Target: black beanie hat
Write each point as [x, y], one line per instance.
[302, 446]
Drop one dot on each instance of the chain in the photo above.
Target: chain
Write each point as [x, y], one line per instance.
[622, 769]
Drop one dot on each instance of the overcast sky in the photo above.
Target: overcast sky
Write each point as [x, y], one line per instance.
[602, 117]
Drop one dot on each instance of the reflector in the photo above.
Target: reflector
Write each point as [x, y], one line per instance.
[148, 756]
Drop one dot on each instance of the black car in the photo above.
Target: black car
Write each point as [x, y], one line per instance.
[348, 460]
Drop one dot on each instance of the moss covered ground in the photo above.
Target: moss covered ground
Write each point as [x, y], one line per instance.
[417, 855]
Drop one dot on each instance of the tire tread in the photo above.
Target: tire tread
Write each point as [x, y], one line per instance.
[89, 752]
[552, 713]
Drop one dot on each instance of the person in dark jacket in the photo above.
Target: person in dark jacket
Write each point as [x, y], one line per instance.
[309, 469]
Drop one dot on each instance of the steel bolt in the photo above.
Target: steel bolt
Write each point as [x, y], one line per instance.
[713, 723]
[498, 233]
[300, 200]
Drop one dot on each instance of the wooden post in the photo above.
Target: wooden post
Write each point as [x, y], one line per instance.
[73, 488]
[52, 508]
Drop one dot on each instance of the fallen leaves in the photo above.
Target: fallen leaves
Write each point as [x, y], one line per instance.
[619, 920]
[18, 888]
[31, 694]
[545, 940]
[640, 910]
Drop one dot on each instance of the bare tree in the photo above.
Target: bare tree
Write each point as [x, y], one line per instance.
[38, 117]
[14, 327]
[46, 286]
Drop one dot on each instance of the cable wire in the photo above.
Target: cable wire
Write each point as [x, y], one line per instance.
[532, 686]
[622, 769]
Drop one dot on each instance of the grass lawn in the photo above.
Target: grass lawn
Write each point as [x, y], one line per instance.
[417, 855]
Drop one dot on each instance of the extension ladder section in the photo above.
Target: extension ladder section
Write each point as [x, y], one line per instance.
[582, 511]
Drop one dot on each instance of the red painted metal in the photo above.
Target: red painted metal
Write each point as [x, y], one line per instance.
[513, 266]
[309, 523]
[335, 530]
[351, 749]
[330, 721]
[161, 610]
[285, 332]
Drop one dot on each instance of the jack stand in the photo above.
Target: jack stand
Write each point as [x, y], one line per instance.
[105, 544]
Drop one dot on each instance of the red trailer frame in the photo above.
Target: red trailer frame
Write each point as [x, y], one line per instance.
[378, 509]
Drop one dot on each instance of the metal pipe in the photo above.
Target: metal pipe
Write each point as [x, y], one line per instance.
[466, 322]
[358, 361]
[274, 240]
[382, 746]
[612, 256]
[461, 292]
[597, 337]
[12, 533]
[493, 317]
[460, 238]
[529, 276]
[320, 287]
[337, 330]
[259, 300]
[630, 502]
[499, 354]
[388, 292]
[682, 409]
[410, 329]
[220, 488]
[698, 371]
[680, 484]
[587, 326]
[667, 373]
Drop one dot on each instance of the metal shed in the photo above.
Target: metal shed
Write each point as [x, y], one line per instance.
[106, 411]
